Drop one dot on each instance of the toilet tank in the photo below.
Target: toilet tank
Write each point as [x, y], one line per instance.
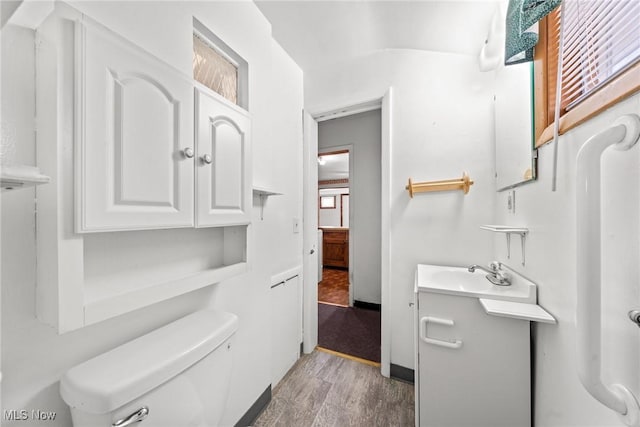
[180, 373]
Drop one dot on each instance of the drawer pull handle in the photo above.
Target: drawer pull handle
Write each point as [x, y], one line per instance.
[455, 344]
[136, 417]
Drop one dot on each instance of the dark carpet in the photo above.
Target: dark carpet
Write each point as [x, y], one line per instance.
[350, 330]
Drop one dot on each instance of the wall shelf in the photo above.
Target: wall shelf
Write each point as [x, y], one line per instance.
[509, 230]
[517, 310]
[17, 177]
[263, 194]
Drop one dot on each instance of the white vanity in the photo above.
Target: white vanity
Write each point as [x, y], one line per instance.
[473, 348]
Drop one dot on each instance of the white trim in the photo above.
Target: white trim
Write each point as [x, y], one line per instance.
[31, 14]
[310, 233]
[383, 102]
[336, 113]
[385, 225]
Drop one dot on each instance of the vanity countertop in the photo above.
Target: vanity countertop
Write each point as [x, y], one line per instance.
[459, 281]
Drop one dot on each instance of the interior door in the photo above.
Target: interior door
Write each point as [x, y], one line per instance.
[310, 236]
[223, 163]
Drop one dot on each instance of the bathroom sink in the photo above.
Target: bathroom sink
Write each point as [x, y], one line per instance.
[459, 281]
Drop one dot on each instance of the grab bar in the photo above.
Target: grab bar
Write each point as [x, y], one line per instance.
[454, 344]
[624, 134]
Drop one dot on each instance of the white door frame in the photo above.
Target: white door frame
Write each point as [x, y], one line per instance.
[310, 233]
[310, 215]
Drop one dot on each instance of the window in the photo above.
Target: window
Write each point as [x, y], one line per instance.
[327, 202]
[218, 67]
[213, 70]
[601, 61]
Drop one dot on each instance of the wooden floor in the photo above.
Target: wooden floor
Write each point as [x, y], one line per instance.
[334, 287]
[326, 390]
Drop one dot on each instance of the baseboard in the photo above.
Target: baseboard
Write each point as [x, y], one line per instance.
[367, 305]
[403, 374]
[252, 414]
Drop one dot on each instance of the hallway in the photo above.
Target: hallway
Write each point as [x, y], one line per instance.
[352, 331]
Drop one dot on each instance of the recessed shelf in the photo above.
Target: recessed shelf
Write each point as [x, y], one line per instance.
[19, 176]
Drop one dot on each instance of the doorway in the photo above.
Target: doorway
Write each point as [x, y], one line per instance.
[349, 182]
[333, 222]
[311, 118]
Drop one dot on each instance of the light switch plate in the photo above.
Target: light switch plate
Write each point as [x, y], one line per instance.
[296, 225]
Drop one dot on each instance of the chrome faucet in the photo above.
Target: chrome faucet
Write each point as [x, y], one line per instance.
[495, 275]
[485, 269]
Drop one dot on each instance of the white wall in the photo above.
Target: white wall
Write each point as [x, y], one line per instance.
[441, 126]
[551, 264]
[331, 217]
[363, 132]
[33, 355]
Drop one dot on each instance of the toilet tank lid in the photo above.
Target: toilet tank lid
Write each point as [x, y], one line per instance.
[121, 375]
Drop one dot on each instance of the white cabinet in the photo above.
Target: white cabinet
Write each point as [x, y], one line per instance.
[135, 153]
[472, 342]
[117, 225]
[223, 147]
[473, 368]
[286, 322]
[134, 118]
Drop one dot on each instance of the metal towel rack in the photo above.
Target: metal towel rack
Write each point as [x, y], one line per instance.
[623, 134]
[445, 185]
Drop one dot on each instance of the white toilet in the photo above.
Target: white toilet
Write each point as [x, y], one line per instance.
[177, 375]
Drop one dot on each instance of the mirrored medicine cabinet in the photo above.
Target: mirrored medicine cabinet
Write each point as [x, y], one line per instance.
[514, 126]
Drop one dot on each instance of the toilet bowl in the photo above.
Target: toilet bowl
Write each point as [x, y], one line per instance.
[177, 375]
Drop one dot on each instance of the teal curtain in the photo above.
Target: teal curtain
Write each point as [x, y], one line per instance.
[521, 38]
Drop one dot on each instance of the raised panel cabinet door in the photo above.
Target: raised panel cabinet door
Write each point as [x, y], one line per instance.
[134, 116]
[222, 167]
[335, 248]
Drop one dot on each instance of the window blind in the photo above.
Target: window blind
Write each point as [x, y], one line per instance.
[601, 40]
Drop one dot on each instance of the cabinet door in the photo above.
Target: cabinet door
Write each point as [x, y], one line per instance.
[335, 248]
[223, 164]
[485, 381]
[134, 116]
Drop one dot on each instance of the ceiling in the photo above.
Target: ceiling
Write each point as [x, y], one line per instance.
[336, 167]
[321, 33]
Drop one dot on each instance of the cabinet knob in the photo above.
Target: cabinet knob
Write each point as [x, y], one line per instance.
[188, 152]
[207, 159]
